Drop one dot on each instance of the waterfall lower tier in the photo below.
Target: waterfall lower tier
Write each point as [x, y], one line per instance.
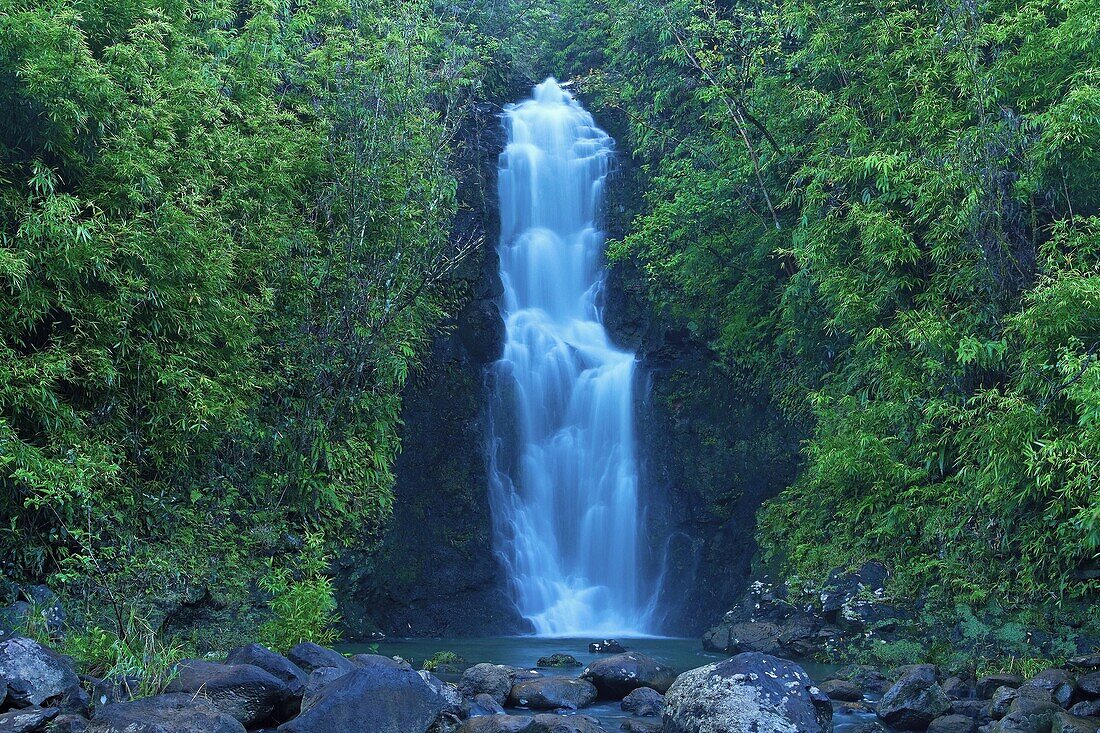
[564, 490]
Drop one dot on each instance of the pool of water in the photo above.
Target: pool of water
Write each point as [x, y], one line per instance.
[524, 651]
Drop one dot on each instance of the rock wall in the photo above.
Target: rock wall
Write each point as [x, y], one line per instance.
[436, 573]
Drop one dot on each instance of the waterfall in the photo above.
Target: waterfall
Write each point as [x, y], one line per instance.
[564, 484]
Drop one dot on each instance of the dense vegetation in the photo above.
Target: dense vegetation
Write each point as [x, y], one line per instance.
[886, 215]
[225, 241]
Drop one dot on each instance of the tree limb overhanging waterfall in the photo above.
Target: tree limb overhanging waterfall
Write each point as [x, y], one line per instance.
[565, 487]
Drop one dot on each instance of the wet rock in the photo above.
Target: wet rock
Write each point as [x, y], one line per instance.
[1064, 722]
[552, 693]
[309, 656]
[484, 705]
[74, 701]
[115, 689]
[1085, 661]
[1001, 701]
[746, 693]
[317, 681]
[558, 660]
[1058, 682]
[953, 724]
[67, 723]
[957, 688]
[494, 680]
[607, 646]
[926, 672]
[454, 703]
[271, 662]
[636, 725]
[643, 702]
[1089, 686]
[378, 660]
[34, 673]
[171, 713]
[976, 709]
[28, 720]
[248, 693]
[986, 686]
[378, 699]
[1087, 708]
[915, 700]
[841, 690]
[495, 724]
[563, 724]
[618, 675]
[1032, 711]
[871, 726]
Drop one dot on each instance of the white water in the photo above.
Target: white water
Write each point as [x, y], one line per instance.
[565, 488]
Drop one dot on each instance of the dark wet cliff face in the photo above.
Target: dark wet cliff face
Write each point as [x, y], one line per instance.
[436, 573]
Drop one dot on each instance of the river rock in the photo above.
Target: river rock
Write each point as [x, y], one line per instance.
[841, 690]
[1002, 700]
[494, 680]
[915, 700]
[310, 656]
[379, 700]
[552, 693]
[1088, 686]
[495, 724]
[748, 693]
[617, 675]
[639, 725]
[1087, 709]
[953, 724]
[986, 686]
[1058, 682]
[558, 660]
[563, 724]
[28, 720]
[379, 660]
[1064, 722]
[248, 693]
[454, 703]
[271, 662]
[643, 702]
[171, 713]
[1032, 711]
[976, 709]
[68, 723]
[34, 673]
[317, 681]
[1085, 661]
[957, 688]
[484, 705]
[607, 646]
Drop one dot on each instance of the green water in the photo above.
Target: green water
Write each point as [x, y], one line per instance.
[524, 651]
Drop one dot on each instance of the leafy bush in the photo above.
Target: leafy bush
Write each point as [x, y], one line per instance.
[303, 605]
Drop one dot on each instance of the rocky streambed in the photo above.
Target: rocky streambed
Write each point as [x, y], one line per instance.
[317, 690]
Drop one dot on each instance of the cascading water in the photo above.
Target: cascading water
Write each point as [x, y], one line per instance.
[564, 474]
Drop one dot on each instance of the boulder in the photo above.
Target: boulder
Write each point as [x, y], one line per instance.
[484, 705]
[957, 688]
[171, 713]
[552, 693]
[976, 709]
[310, 656]
[374, 660]
[927, 672]
[558, 660]
[843, 587]
[1088, 686]
[1002, 700]
[865, 677]
[563, 724]
[607, 646]
[495, 724]
[1085, 661]
[1087, 708]
[643, 702]
[1064, 722]
[1032, 711]
[248, 693]
[747, 693]
[986, 686]
[619, 674]
[638, 725]
[1058, 682]
[378, 699]
[317, 681]
[494, 680]
[454, 703]
[953, 724]
[841, 690]
[34, 673]
[68, 723]
[27, 720]
[275, 664]
[915, 700]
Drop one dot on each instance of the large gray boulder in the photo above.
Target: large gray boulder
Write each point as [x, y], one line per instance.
[915, 700]
[643, 702]
[563, 724]
[552, 693]
[1032, 711]
[271, 662]
[494, 680]
[619, 674]
[748, 693]
[172, 713]
[248, 693]
[28, 720]
[376, 699]
[310, 656]
[34, 673]
[1058, 682]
